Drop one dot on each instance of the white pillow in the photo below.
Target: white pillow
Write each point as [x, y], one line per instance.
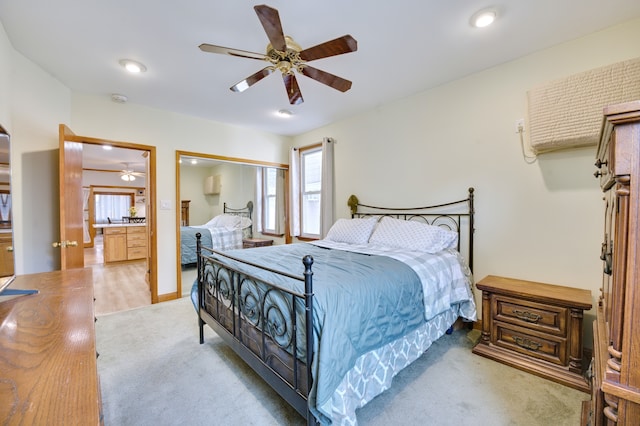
[413, 235]
[245, 222]
[351, 231]
[224, 221]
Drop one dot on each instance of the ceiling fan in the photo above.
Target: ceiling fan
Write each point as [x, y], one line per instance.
[128, 174]
[286, 56]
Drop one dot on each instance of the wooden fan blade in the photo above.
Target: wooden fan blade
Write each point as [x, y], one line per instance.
[338, 46]
[210, 48]
[270, 20]
[251, 80]
[293, 90]
[329, 79]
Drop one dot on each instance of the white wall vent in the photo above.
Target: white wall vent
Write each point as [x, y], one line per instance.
[567, 113]
[212, 185]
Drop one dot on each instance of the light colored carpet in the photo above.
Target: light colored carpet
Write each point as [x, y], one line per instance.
[153, 371]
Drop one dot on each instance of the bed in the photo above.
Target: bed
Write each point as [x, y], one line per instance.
[318, 321]
[225, 232]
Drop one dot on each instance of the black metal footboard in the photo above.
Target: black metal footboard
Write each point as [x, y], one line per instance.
[268, 326]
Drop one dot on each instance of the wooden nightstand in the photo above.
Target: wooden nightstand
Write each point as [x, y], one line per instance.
[256, 242]
[534, 327]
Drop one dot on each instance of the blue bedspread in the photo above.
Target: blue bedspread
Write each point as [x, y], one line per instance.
[361, 302]
[188, 253]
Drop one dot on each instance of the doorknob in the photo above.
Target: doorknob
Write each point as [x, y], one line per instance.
[64, 244]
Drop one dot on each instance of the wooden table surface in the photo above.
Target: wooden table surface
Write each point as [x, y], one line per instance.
[48, 365]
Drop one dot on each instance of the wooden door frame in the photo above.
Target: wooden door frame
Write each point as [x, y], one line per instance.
[151, 214]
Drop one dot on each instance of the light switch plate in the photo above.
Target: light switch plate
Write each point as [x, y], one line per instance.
[165, 204]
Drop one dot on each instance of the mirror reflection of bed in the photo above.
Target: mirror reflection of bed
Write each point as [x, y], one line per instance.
[211, 190]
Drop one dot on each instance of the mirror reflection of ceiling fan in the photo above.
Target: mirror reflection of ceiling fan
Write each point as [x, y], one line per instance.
[128, 174]
[286, 56]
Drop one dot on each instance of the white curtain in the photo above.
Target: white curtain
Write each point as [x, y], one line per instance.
[294, 192]
[280, 213]
[326, 194]
[111, 206]
[85, 214]
[257, 209]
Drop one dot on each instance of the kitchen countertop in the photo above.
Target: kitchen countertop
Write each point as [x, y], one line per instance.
[116, 225]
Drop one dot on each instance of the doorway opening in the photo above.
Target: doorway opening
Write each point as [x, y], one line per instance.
[137, 241]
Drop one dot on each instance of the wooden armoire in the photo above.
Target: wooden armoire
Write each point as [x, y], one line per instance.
[616, 331]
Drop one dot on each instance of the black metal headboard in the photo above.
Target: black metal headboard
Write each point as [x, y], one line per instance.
[451, 215]
[246, 211]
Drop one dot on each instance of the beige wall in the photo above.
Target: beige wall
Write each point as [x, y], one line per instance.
[540, 222]
[37, 103]
[5, 77]
[236, 189]
[33, 105]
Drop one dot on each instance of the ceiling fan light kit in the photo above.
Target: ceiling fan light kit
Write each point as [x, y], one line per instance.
[128, 174]
[286, 56]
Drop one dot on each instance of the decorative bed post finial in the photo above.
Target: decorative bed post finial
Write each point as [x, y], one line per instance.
[353, 204]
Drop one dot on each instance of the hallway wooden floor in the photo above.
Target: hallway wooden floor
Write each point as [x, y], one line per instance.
[117, 286]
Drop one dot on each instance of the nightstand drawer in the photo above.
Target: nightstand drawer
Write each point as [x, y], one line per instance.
[541, 317]
[529, 343]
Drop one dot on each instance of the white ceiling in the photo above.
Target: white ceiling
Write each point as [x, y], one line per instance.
[95, 157]
[404, 46]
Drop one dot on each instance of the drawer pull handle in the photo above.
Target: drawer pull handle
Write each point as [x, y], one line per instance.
[527, 343]
[607, 256]
[527, 316]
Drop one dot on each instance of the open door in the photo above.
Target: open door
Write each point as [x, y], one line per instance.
[71, 202]
[71, 212]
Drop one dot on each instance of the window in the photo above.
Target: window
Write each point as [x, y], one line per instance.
[112, 206]
[5, 209]
[269, 206]
[310, 187]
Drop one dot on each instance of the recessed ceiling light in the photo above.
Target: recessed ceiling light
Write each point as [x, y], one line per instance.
[285, 113]
[133, 67]
[107, 147]
[483, 18]
[194, 161]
